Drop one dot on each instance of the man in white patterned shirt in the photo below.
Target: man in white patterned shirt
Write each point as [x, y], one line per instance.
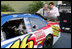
[53, 13]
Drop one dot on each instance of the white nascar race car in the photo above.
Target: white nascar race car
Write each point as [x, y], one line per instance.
[28, 31]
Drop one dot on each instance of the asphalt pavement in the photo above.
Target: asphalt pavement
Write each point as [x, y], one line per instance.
[64, 41]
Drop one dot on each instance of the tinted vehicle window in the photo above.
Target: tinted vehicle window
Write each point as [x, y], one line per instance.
[36, 23]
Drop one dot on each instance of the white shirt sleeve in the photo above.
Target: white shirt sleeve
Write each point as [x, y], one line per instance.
[39, 11]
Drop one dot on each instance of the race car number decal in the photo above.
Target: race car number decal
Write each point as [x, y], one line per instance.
[16, 44]
[24, 44]
[55, 30]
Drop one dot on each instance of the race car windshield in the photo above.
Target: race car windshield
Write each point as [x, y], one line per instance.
[14, 28]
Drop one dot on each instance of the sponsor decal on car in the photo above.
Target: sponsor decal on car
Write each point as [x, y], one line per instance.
[39, 34]
[55, 30]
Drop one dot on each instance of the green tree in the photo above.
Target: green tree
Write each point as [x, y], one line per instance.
[6, 8]
[35, 6]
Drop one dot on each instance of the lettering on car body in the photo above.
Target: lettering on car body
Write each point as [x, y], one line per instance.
[24, 44]
[39, 34]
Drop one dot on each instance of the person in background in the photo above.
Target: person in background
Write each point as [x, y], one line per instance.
[54, 12]
[43, 11]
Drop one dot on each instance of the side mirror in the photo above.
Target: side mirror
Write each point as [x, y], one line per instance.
[34, 27]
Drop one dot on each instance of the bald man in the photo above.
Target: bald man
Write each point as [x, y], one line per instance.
[43, 11]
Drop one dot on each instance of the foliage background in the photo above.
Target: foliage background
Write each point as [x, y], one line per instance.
[6, 8]
[23, 6]
[35, 6]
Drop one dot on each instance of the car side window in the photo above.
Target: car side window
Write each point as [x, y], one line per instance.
[13, 28]
[36, 23]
